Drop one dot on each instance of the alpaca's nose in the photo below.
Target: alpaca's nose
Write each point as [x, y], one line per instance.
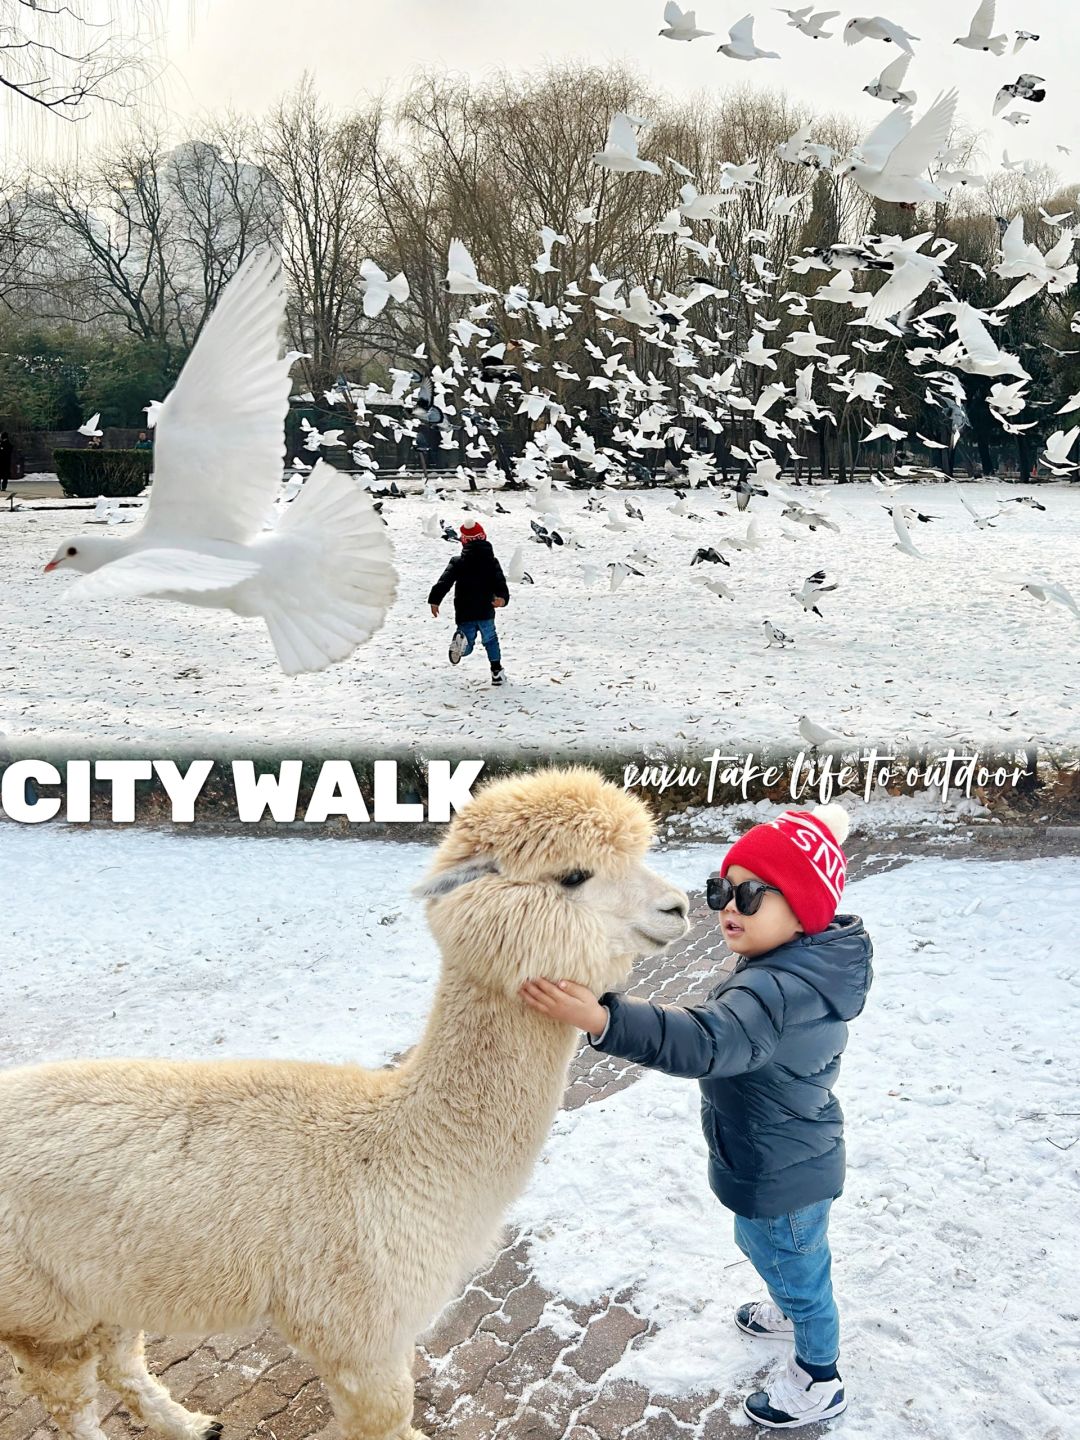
[680, 907]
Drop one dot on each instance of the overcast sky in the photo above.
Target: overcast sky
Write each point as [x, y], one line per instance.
[248, 52]
[241, 50]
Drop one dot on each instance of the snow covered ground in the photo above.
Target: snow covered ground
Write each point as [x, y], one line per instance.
[919, 650]
[956, 1238]
[923, 811]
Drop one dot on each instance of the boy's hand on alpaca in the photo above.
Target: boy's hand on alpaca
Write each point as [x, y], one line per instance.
[567, 1001]
[435, 611]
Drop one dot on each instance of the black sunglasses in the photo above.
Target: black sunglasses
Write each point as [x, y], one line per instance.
[748, 895]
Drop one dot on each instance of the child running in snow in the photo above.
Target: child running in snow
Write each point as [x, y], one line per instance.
[765, 1047]
[479, 587]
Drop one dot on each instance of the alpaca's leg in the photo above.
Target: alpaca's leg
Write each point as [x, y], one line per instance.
[123, 1369]
[63, 1376]
[374, 1405]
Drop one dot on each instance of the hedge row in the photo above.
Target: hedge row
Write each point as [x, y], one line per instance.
[85, 474]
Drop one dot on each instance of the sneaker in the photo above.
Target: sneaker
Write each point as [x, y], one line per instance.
[763, 1318]
[457, 646]
[498, 676]
[795, 1399]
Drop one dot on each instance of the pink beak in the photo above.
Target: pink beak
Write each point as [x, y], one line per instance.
[51, 566]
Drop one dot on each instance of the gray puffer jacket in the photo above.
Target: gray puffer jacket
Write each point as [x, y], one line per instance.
[766, 1048]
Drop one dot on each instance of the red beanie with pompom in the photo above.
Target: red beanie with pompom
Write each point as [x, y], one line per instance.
[799, 852]
[475, 531]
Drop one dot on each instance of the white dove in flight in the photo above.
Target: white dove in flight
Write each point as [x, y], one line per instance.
[740, 44]
[620, 152]
[979, 36]
[461, 276]
[323, 578]
[680, 24]
[889, 163]
[877, 27]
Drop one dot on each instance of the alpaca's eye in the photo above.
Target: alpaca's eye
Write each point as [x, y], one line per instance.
[71, 550]
[574, 878]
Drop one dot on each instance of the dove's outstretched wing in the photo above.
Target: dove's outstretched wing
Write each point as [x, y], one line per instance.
[926, 138]
[161, 572]
[974, 336]
[1014, 249]
[221, 431]
[903, 535]
[876, 148]
[893, 74]
[1056, 257]
[896, 34]
[983, 20]
[621, 134]
[460, 262]
[902, 289]
[1020, 292]
[970, 508]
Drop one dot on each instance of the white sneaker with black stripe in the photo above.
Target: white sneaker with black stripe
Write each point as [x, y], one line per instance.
[764, 1319]
[457, 647]
[795, 1398]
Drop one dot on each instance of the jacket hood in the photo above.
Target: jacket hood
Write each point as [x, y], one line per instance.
[835, 961]
[477, 547]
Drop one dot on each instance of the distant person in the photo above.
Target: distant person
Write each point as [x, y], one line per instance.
[7, 459]
[422, 446]
[144, 442]
[94, 443]
[479, 589]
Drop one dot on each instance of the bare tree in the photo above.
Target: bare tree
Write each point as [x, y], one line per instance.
[62, 56]
[329, 217]
[146, 235]
[223, 206]
[22, 242]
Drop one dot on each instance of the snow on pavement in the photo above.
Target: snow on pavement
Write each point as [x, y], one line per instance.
[907, 649]
[954, 1242]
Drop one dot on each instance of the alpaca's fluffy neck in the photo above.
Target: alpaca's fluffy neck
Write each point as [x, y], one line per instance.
[484, 1084]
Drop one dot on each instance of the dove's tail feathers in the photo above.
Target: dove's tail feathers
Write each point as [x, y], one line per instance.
[339, 596]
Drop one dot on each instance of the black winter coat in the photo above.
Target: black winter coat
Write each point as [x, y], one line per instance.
[766, 1048]
[477, 577]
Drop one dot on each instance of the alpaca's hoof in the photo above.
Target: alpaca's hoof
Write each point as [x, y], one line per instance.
[213, 1431]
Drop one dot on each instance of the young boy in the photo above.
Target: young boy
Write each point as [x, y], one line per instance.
[479, 587]
[766, 1048]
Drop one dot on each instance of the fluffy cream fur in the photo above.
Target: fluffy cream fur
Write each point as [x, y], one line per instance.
[345, 1206]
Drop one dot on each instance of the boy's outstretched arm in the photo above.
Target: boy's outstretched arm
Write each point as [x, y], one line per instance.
[731, 1034]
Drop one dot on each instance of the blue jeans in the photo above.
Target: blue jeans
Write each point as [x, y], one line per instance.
[791, 1254]
[490, 640]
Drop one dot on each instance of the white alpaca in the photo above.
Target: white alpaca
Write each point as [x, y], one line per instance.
[344, 1206]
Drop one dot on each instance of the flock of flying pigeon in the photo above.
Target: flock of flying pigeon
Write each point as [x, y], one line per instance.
[322, 577]
[809, 21]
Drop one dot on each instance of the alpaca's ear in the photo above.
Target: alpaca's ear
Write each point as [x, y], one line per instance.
[432, 886]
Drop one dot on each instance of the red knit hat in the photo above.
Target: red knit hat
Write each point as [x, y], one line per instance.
[799, 852]
[475, 531]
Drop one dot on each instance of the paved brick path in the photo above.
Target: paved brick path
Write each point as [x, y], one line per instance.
[492, 1365]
